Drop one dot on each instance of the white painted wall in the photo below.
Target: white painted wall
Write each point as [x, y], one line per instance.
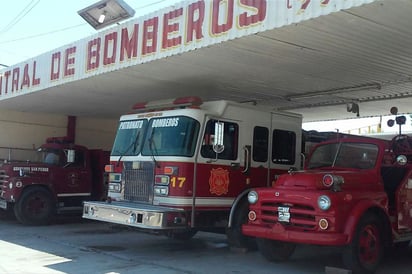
[30, 130]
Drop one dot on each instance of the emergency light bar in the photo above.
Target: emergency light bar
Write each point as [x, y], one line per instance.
[182, 102]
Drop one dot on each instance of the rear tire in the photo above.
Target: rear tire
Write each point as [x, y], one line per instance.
[35, 207]
[275, 251]
[365, 252]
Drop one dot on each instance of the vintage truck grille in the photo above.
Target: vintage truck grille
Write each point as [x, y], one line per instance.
[4, 179]
[139, 180]
[302, 216]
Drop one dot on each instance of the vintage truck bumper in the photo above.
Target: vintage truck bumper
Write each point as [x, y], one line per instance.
[3, 204]
[279, 233]
[137, 215]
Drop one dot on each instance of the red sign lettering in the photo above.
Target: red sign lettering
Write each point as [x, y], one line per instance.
[26, 77]
[6, 77]
[15, 79]
[150, 29]
[55, 66]
[195, 18]
[217, 28]
[259, 6]
[129, 45]
[170, 29]
[93, 54]
[69, 61]
[110, 42]
[35, 81]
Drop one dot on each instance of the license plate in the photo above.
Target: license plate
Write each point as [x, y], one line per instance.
[283, 214]
[3, 204]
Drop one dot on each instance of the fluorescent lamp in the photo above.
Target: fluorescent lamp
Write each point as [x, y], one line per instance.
[102, 17]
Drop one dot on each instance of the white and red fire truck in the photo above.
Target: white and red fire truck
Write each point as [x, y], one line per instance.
[184, 165]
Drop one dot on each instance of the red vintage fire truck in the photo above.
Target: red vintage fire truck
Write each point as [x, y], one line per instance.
[355, 192]
[182, 166]
[58, 179]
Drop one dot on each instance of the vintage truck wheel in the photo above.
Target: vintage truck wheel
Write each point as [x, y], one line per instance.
[234, 234]
[35, 207]
[275, 251]
[181, 234]
[365, 252]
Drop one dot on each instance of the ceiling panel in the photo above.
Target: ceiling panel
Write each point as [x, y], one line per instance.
[362, 55]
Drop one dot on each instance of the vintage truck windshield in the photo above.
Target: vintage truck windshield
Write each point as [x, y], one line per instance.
[344, 155]
[129, 137]
[171, 136]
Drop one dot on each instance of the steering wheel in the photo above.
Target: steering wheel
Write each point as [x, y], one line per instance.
[402, 144]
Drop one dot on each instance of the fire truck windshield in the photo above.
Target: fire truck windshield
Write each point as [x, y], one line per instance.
[171, 136]
[344, 155]
[129, 137]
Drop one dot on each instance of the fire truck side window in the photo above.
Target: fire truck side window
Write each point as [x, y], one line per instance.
[230, 141]
[284, 143]
[260, 144]
[78, 160]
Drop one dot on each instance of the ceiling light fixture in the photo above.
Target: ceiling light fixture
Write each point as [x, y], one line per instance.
[333, 91]
[106, 12]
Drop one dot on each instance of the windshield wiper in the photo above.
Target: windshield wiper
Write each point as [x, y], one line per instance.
[152, 147]
[134, 144]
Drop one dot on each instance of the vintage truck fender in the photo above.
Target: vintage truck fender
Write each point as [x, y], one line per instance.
[242, 197]
[20, 184]
[365, 207]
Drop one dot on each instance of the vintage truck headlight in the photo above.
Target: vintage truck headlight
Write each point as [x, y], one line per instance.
[252, 197]
[324, 202]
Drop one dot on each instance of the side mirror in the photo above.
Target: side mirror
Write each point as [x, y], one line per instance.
[71, 155]
[218, 146]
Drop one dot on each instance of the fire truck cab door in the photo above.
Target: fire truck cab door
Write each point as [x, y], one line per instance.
[76, 180]
[226, 167]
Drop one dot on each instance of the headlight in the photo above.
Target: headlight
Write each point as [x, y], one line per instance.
[252, 197]
[161, 190]
[115, 187]
[324, 202]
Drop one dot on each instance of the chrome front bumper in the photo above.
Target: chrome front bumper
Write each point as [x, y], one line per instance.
[137, 215]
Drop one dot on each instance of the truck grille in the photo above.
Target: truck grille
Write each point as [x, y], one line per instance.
[4, 179]
[138, 182]
[301, 216]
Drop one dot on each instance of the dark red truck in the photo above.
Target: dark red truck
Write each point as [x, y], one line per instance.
[355, 192]
[62, 176]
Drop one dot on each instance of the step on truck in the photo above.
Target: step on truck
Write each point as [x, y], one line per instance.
[355, 192]
[181, 166]
[57, 179]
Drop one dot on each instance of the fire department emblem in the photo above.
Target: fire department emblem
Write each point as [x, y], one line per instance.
[219, 181]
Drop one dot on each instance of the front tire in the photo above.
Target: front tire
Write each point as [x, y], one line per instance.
[365, 252]
[275, 251]
[234, 233]
[181, 235]
[35, 207]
